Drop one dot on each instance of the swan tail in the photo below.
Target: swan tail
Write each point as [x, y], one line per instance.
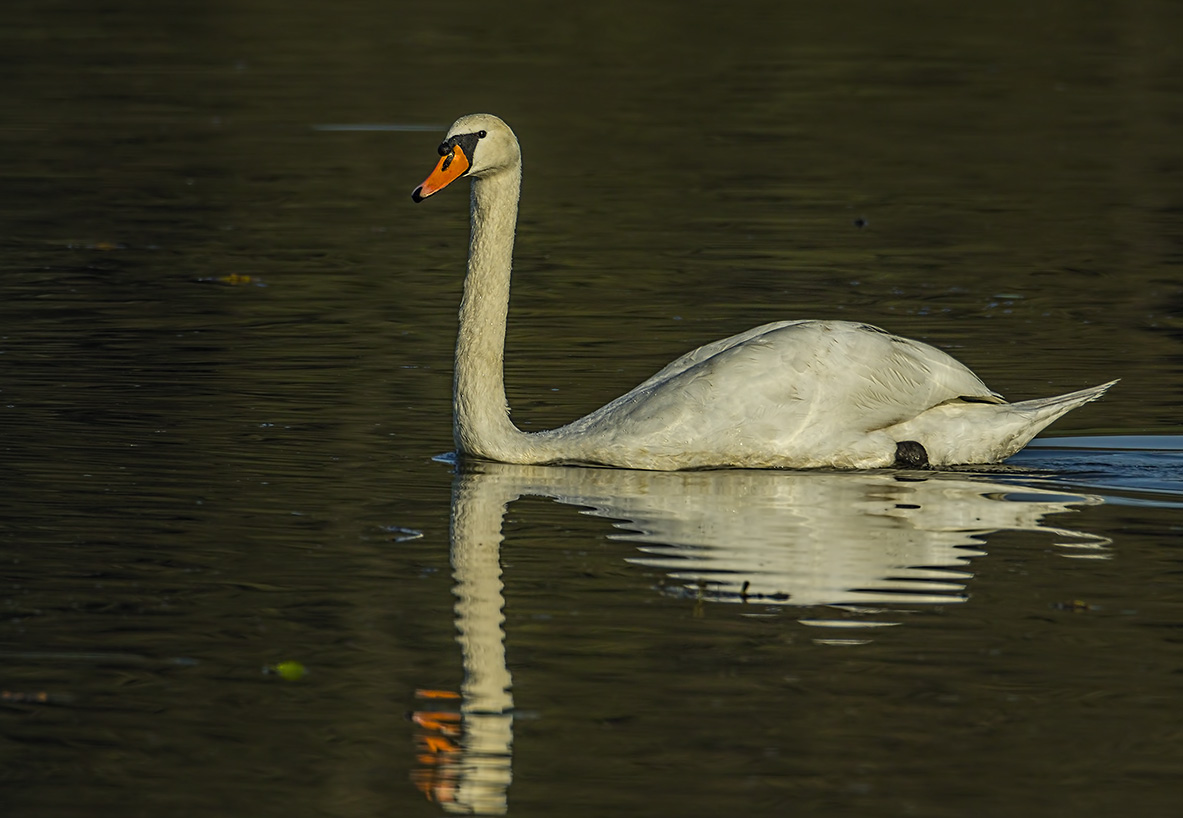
[1044, 411]
[958, 433]
[1039, 413]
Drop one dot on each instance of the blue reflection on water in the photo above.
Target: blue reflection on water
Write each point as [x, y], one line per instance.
[1149, 465]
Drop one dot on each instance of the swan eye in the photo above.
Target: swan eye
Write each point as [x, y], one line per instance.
[482, 134]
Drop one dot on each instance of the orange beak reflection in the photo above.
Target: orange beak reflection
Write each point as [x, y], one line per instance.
[451, 167]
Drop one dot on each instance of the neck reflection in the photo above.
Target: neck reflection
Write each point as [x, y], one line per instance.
[855, 545]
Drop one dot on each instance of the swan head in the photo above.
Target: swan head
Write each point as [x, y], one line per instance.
[477, 145]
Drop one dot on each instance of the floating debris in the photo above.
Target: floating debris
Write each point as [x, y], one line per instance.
[402, 534]
[377, 126]
[289, 671]
[1075, 606]
[37, 697]
[233, 280]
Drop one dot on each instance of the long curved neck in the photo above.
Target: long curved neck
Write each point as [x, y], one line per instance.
[481, 424]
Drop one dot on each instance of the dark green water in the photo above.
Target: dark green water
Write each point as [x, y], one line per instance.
[225, 368]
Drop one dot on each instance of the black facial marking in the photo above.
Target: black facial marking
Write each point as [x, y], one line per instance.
[467, 143]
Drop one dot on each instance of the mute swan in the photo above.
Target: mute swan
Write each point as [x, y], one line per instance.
[791, 394]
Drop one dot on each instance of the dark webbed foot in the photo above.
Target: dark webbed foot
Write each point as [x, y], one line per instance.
[910, 454]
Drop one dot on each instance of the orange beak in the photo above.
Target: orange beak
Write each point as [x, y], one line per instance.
[451, 167]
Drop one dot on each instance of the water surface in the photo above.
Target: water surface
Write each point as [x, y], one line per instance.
[225, 370]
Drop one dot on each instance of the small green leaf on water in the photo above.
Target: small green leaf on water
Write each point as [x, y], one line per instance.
[291, 671]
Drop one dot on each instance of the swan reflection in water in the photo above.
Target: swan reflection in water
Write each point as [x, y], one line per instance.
[859, 542]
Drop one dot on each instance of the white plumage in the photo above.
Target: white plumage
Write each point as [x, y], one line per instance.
[792, 394]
